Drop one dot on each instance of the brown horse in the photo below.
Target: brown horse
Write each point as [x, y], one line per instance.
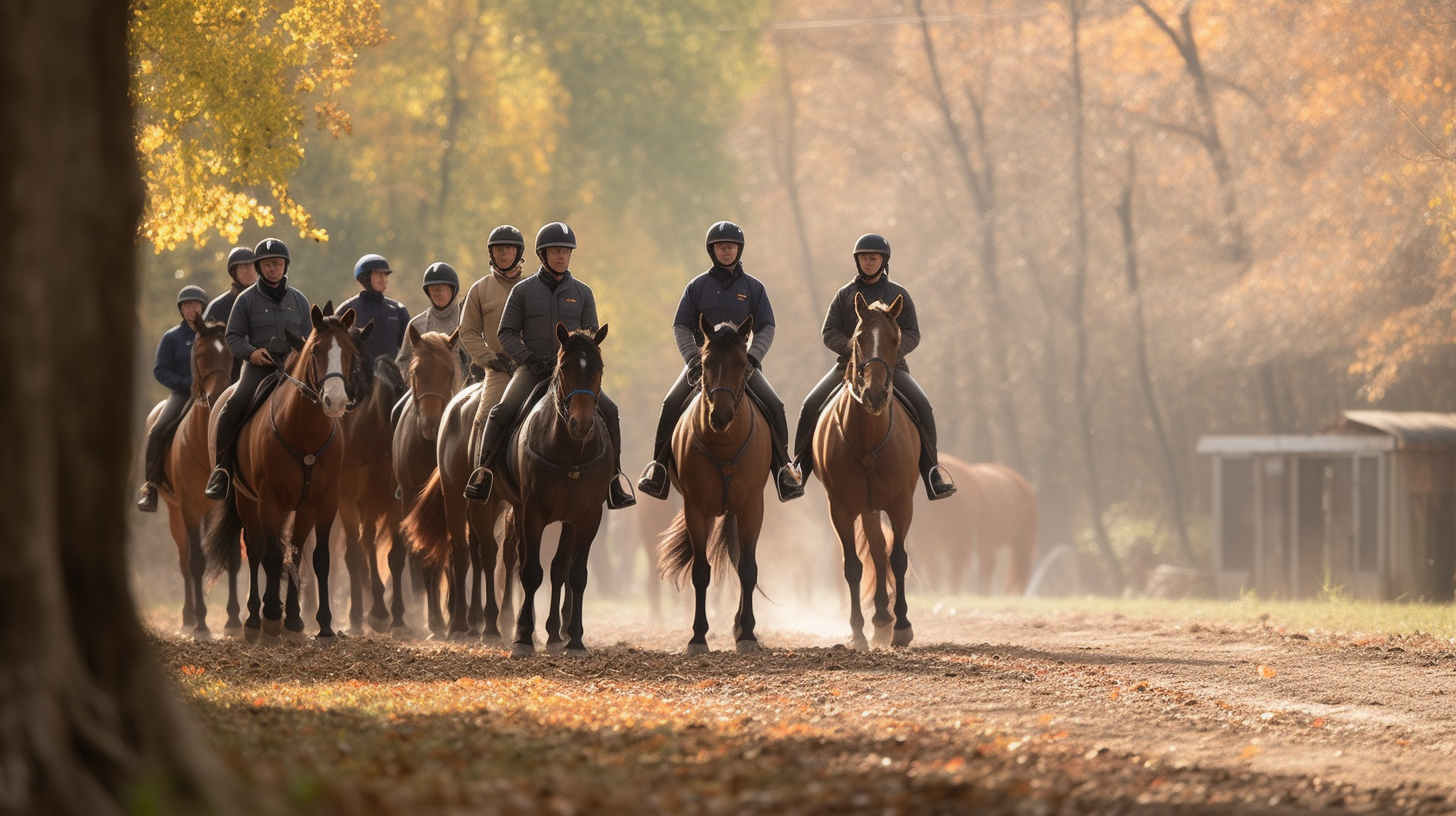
[866, 450]
[288, 459]
[433, 379]
[721, 450]
[995, 507]
[188, 461]
[368, 509]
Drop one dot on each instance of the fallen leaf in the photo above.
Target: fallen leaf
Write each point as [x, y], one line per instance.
[1317, 722]
[1250, 751]
[1267, 671]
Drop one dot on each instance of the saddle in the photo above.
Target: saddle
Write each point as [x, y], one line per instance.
[899, 397]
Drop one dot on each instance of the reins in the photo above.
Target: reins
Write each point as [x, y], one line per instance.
[561, 403]
[726, 468]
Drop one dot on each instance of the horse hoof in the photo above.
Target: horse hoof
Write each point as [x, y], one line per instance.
[881, 638]
[555, 647]
[859, 644]
[902, 637]
[459, 637]
[697, 648]
[252, 634]
[379, 623]
[233, 629]
[522, 650]
[402, 632]
[576, 651]
[202, 633]
[492, 640]
[748, 646]
[325, 639]
[273, 628]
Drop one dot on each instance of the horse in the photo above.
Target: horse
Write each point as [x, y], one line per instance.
[288, 458]
[433, 379]
[187, 463]
[994, 507]
[721, 449]
[368, 509]
[866, 450]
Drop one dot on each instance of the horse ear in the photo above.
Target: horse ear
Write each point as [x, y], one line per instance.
[328, 307]
[897, 306]
[413, 335]
[703, 327]
[561, 333]
[600, 335]
[860, 304]
[364, 332]
[454, 339]
[294, 341]
[316, 316]
[745, 329]
[348, 317]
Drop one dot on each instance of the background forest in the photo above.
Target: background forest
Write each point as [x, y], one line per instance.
[1126, 224]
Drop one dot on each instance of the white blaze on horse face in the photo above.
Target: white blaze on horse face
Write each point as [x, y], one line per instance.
[334, 396]
[219, 346]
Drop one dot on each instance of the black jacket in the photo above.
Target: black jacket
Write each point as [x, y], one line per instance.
[840, 322]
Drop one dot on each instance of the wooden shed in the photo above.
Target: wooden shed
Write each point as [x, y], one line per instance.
[1367, 508]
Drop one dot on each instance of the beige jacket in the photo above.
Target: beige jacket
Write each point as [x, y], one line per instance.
[480, 317]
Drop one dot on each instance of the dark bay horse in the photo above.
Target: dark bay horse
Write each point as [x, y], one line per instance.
[368, 510]
[721, 449]
[288, 459]
[993, 508]
[433, 379]
[866, 450]
[188, 461]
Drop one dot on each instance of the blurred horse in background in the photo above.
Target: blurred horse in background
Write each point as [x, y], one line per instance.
[994, 509]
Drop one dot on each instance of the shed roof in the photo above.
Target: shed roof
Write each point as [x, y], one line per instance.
[1355, 432]
[1411, 429]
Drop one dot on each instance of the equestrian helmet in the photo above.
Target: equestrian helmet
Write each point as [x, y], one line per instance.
[872, 242]
[270, 248]
[238, 255]
[368, 264]
[724, 232]
[555, 234]
[192, 292]
[441, 272]
[507, 235]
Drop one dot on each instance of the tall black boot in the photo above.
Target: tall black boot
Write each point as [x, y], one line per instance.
[477, 488]
[619, 492]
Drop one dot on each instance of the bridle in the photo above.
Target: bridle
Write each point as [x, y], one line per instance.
[857, 383]
[737, 395]
[314, 392]
[563, 401]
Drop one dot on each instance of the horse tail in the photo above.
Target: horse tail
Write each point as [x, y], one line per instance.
[675, 551]
[865, 543]
[220, 547]
[425, 525]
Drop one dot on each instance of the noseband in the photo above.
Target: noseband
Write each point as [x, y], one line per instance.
[857, 386]
[737, 395]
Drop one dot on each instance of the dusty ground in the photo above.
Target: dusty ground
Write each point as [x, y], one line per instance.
[1005, 712]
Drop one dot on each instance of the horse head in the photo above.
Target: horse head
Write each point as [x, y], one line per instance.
[725, 369]
[578, 379]
[212, 361]
[328, 359]
[434, 376]
[874, 352]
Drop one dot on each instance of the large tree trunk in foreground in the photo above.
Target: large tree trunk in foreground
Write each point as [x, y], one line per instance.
[88, 722]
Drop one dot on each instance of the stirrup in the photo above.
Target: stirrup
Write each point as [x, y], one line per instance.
[619, 493]
[654, 480]
[938, 484]
[218, 483]
[789, 483]
[477, 487]
[147, 498]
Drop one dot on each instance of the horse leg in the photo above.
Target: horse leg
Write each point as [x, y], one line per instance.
[354, 561]
[560, 607]
[748, 528]
[325, 615]
[398, 551]
[272, 575]
[257, 548]
[698, 527]
[485, 551]
[899, 559]
[184, 565]
[853, 573]
[196, 581]
[458, 630]
[510, 557]
[292, 617]
[585, 532]
[476, 616]
[234, 626]
[378, 609]
[874, 534]
[430, 578]
[528, 530]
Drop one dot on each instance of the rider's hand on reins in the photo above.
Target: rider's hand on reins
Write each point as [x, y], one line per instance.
[261, 357]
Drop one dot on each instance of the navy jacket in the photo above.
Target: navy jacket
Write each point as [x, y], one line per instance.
[840, 322]
[390, 320]
[535, 306]
[173, 367]
[257, 321]
[221, 306]
[725, 296]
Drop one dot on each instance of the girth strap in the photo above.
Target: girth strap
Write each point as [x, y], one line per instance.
[305, 461]
[725, 469]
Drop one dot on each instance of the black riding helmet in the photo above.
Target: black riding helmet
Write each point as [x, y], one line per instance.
[270, 248]
[554, 234]
[237, 257]
[507, 235]
[191, 292]
[724, 232]
[441, 272]
[872, 242]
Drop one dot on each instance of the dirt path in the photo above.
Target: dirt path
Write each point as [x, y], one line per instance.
[1009, 712]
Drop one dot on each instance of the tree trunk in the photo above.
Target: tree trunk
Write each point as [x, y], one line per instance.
[791, 182]
[88, 722]
[1081, 400]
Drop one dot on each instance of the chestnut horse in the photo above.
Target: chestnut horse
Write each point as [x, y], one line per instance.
[433, 379]
[368, 509]
[721, 448]
[187, 463]
[288, 459]
[994, 508]
[866, 451]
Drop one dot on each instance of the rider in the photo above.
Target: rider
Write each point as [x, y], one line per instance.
[257, 334]
[480, 319]
[528, 333]
[723, 293]
[240, 269]
[872, 279]
[174, 370]
[441, 286]
[388, 315]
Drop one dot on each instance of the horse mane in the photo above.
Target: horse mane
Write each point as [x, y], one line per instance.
[585, 341]
[210, 327]
[725, 332]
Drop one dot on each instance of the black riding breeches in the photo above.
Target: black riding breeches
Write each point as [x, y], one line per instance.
[230, 414]
[503, 415]
[906, 390]
[161, 434]
[809, 414]
[672, 408]
[764, 393]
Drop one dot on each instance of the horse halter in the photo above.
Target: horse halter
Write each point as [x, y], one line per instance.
[314, 393]
[857, 385]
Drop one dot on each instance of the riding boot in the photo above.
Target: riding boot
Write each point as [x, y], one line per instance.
[147, 498]
[218, 483]
[654, 480]
[938, 484]
[787, 480]
[477, 488]
[804, 442]
[619, 493]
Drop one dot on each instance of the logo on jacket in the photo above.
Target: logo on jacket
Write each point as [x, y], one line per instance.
[742, 296]
[571, 300]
